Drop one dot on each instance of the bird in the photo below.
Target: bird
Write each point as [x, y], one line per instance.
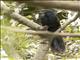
[49, 20]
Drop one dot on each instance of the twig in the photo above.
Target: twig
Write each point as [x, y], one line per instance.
[76, 15]
[21, 19]
[69, 5]
[39, 32]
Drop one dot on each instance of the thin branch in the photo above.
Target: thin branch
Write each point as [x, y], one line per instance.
[21, 19]
[69, 5]
[76, 15]
[39, 32]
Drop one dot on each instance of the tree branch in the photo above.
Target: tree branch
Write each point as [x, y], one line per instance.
[69, 5]
[39, 32]
[76, 15]
[20, 18]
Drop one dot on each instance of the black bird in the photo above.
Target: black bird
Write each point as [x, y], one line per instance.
[49, 19]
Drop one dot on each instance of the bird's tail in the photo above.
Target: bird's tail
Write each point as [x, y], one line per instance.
[57, 44]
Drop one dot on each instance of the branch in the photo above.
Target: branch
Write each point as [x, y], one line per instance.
[69, 5]
[76, 15]
[20, 18]
[39, 32]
